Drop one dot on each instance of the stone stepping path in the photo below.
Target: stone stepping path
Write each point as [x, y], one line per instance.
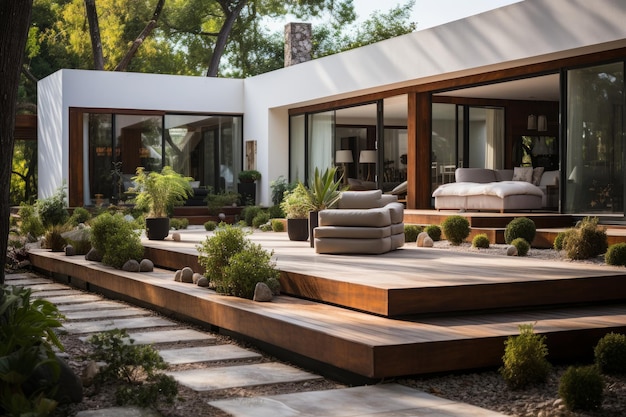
[57, 293]
[168, 336]
[210, 379]
[47, 287]
[71, 299]
[206, 354]
[97, 314]
[95, 326]
[98, 306]
[384, 400]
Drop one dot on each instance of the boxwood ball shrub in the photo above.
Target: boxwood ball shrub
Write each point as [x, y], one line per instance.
[481, 241]
[610, 354]
[411, 231]
[278, 226]
[522, 246]
[616, 254]
[581, 388]
[434, 231]
[249, 213]
[456, 228]
[260, 219]
[520, 227]
[210, 225]
[558, 240]
[524, 360]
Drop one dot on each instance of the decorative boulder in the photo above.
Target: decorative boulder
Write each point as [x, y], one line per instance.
[131, 266]
[511, 251]
[428, 242]
[69, 250]
[146, 265]
[93, 255]
[176, 237]
[262, 292]
[70, 388]
[178, 276]
[420, 239]
[186, 275]
[203, 282]
[196, 276]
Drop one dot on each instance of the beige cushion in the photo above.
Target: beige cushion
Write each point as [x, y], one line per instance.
[376, 217]
[360, 185]
[366, 246]
[360, 199]
[481, 175]
[523, 174]
[537, 173]
[352, 232]
[400, 188]
[396, 211]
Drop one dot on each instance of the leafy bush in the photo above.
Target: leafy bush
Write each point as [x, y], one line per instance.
[278, 187]
[456, 228]
[28, 343]
[520, 227]
[52, 210]
[434, 231]
[179, 224]
[521, 245]
[559, 239]
[249, 213]
[616, 254]
[135, 366]
[210, 225]
[216, 251]
[524, 360]
[30, 223]
[276, 212]
[610, 354]
[587, 240]
[260, 219]
[115, 239]
[215, 202]
[278, 226]
[581, 388]
[411, 231]
[481, 241]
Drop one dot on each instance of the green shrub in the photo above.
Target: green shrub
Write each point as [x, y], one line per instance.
[559, 239]
[216, 251]
[249, 213]
[411, 231]
[54, 239]
[581, 388]
[117, 241]
[481, 241]
[587, 240]
[135, 367]
[278, 226]
[52, 210]
[179, 224]
[215, 202]
[610, 354]
[520, 227]
[245, 269]
[210, 225]
[30, 223]
[456, 228]
[616, 255]
[521, 245]
[434, 231]
[524, 360]
[276, 212]
[260, 219]
[79, 215]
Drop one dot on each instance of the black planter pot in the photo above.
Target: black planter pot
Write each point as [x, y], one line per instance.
[157, 228]
[313, 223]
[247, 193]
[298, 229]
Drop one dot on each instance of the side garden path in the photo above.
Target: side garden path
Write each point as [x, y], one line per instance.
[216, 375]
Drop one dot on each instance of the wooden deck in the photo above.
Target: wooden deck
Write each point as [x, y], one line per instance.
[450, 311]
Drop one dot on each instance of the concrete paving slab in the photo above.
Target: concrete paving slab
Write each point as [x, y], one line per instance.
[377, 400]
[169, 336]
[72, 299]
[119, 412]
[49, 286]
[93, 326]
[57, 293]
[97, 305]
[26, 281]
[240, 376]
[104, 314]
[206, 354]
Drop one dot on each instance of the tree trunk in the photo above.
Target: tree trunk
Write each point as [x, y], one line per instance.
[94, 33]
[14, 21]
[222, 37]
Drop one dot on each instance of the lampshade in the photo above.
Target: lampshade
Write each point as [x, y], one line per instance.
[532, 122]
[542, 123]
[343, 157]
[367, 157]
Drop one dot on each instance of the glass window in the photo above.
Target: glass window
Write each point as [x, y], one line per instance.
[297, 166]
[444, 143]
[321, 139]
[99, 141]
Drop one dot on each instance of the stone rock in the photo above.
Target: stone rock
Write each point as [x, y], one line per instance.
[93, 255]
[176, 237]
[131, 266]
[511, 251]
[428, 242]
[420, 239]
[262, 292]
[89, 373]
[146, 265]
[70, 251]
[186, 275]
[178, 275]
[203, 282]
[196, 277]
[69, 386]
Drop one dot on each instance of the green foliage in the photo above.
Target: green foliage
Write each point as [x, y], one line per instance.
[411, 231]
[28, 342]
[249, 213]
[278, 187]
[434, 231]
[524, 360]
[456, 228]
[24, 173]
[276, 212]
[215, 202]
[52, 210]
[520, 227]
[179, 224]
[54, 239]
[616, 254]
[296, 203]
[135, 366]
[559, 239]
[160, 192]
[30, 224]
[586, 240]
[233, 263]
[324, 190]
[521, 245]
[249, 175]
[481, 241]
[581, 388]
[210, 225]
[610, 354]
[79, 215]
[260, 219]
[115, 239]
[278, 226]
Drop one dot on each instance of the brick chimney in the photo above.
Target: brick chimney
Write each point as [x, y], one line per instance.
[298, 43]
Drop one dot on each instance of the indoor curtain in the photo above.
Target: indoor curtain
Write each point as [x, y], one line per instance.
[494, 158]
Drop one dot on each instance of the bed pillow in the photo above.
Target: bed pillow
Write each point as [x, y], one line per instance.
[537, 173]
[523, 174]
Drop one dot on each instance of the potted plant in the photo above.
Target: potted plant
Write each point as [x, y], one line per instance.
[247, 186]
[297, 204]
[324, 193]
[249, 176]
[158, 193]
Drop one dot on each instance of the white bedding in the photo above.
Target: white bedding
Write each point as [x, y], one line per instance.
[499, 189]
